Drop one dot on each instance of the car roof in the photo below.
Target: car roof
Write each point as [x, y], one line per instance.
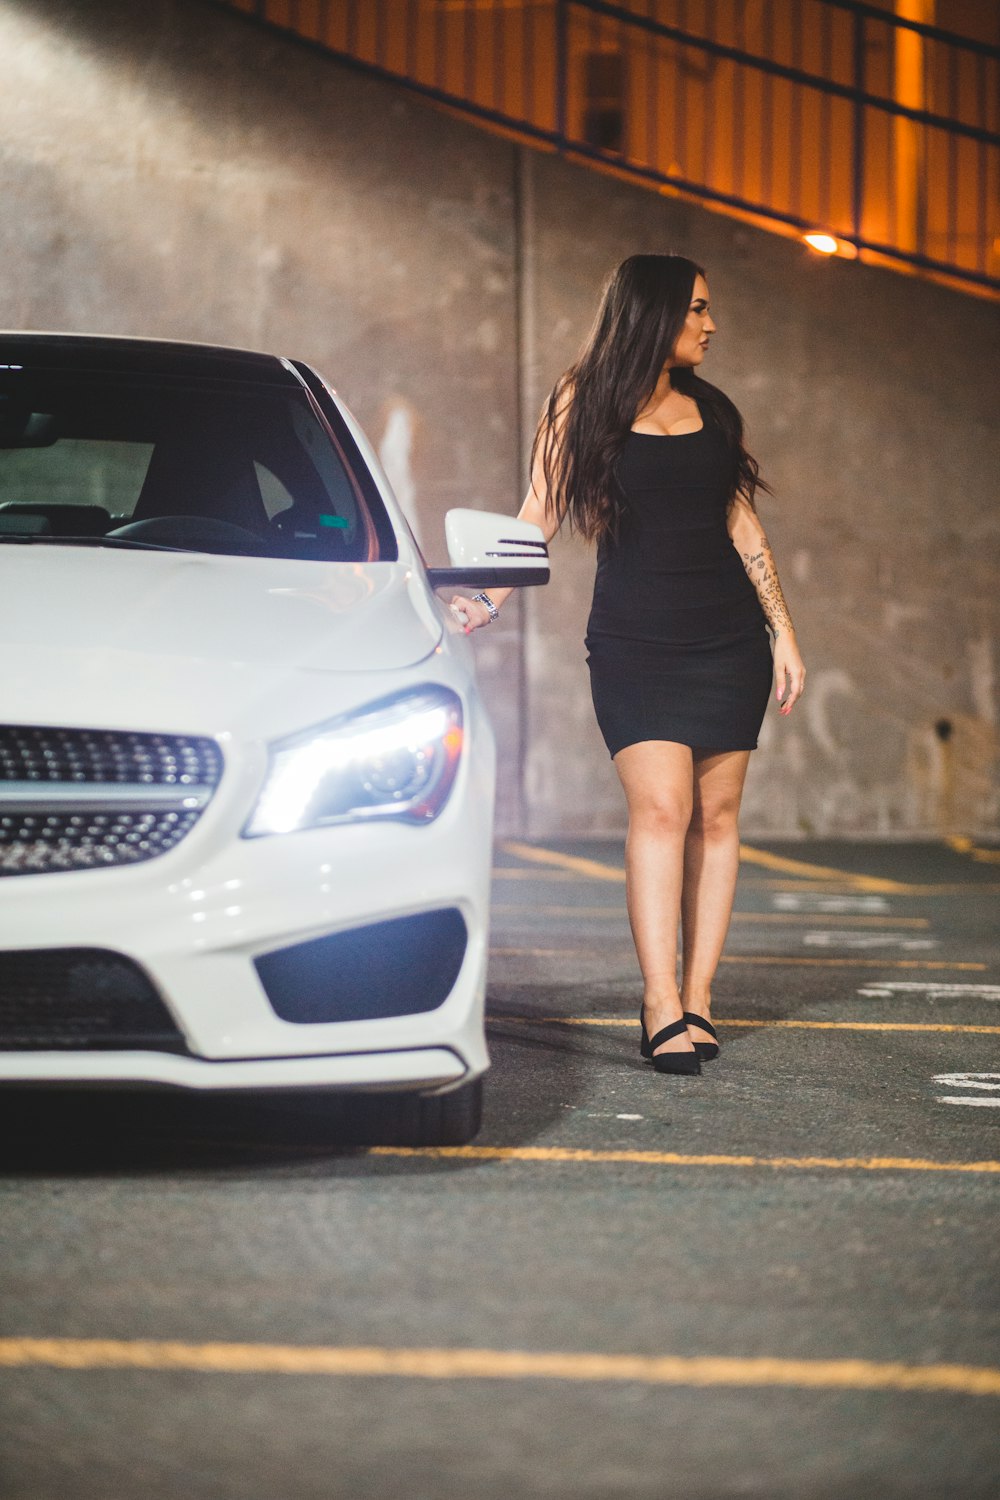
[114, 355]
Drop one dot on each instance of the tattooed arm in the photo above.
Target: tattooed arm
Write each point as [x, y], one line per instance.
[764, 576]
[748, 538]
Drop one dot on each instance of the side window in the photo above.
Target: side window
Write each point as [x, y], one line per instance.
[275, 496]
[339, 512]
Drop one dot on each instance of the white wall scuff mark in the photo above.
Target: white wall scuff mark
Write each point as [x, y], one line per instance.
[926, 778]
[895, 614]
[395, 453]
[487, 335]
[983, 678]
[824, 685]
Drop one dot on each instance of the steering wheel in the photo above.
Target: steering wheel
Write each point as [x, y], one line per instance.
[195, 533]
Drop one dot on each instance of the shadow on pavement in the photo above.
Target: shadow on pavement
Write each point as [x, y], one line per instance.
[83, 1131]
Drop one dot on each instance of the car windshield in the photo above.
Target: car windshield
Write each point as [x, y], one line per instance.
[234, 467]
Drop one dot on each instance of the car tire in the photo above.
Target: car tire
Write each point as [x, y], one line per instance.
[451, 1119]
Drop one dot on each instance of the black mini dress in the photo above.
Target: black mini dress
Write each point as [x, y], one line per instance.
[677, 642]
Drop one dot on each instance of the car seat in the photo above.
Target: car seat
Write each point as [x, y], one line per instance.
[202, 477]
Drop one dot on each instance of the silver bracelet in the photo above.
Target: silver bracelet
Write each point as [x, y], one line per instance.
[494, 613]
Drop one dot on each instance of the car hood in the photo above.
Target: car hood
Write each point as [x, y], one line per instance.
[177, 640]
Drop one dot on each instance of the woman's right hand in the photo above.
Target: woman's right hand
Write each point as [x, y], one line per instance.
[470, 613]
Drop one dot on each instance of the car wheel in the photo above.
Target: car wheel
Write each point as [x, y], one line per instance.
[450, 1119]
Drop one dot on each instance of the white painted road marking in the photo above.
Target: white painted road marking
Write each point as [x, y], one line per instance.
[888, 989]
[827, 939]
[988, 1083]
[816, 901]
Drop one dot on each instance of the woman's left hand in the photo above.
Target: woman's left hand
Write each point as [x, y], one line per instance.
[789, 671]
[469, 613]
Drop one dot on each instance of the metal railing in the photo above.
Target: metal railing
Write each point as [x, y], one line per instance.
[818, 115]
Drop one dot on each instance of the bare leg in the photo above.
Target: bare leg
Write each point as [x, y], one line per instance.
[658, 779]
[711, 865]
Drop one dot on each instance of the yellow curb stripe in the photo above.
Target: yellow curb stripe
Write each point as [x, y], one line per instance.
[549, 1154]
[730, 1021]
[963, 845]
[496, 1364]
[760, 958]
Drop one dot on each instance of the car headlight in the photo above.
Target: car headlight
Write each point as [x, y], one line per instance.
[393, 759]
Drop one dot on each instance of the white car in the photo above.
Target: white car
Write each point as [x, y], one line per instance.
[246, 778]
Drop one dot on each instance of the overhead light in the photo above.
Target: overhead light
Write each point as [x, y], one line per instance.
[825, 243]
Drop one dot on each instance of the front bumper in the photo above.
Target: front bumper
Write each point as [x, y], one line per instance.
[428, 1069]
[201, 920]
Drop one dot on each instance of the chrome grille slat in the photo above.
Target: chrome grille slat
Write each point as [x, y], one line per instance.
[84, 799]
[99, 796]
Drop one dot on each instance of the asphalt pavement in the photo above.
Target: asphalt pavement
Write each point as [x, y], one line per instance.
[779, 1279]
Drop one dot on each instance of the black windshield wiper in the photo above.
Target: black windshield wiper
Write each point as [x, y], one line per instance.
[89, 541]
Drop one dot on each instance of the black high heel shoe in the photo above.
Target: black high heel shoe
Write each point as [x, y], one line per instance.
[645, 1050]
[705, 1050]
[672, 1062]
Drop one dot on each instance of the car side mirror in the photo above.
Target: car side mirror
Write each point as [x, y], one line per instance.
[491, 551]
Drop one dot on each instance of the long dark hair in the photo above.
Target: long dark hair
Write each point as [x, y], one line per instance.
[588, 414]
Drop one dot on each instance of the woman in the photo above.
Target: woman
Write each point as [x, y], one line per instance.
[646, 458]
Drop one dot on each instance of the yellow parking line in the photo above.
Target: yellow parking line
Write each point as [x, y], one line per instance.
[750, 882]
[751, 856]
[496, 1364]
[871, 1026]
[850, 963]
[731, 1021]
[840, 888]
[781, 919]
[536, 854]
[560, 911]
[549, 1154]
[760, 958]
[834, 919]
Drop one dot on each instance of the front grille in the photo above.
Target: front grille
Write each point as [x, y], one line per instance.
[80, 999]
[106, 755]
[84, 799]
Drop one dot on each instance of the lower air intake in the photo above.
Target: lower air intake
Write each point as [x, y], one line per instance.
[80, 999]
[396, 968]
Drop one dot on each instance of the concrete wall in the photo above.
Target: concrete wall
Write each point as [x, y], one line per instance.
[170, 169]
